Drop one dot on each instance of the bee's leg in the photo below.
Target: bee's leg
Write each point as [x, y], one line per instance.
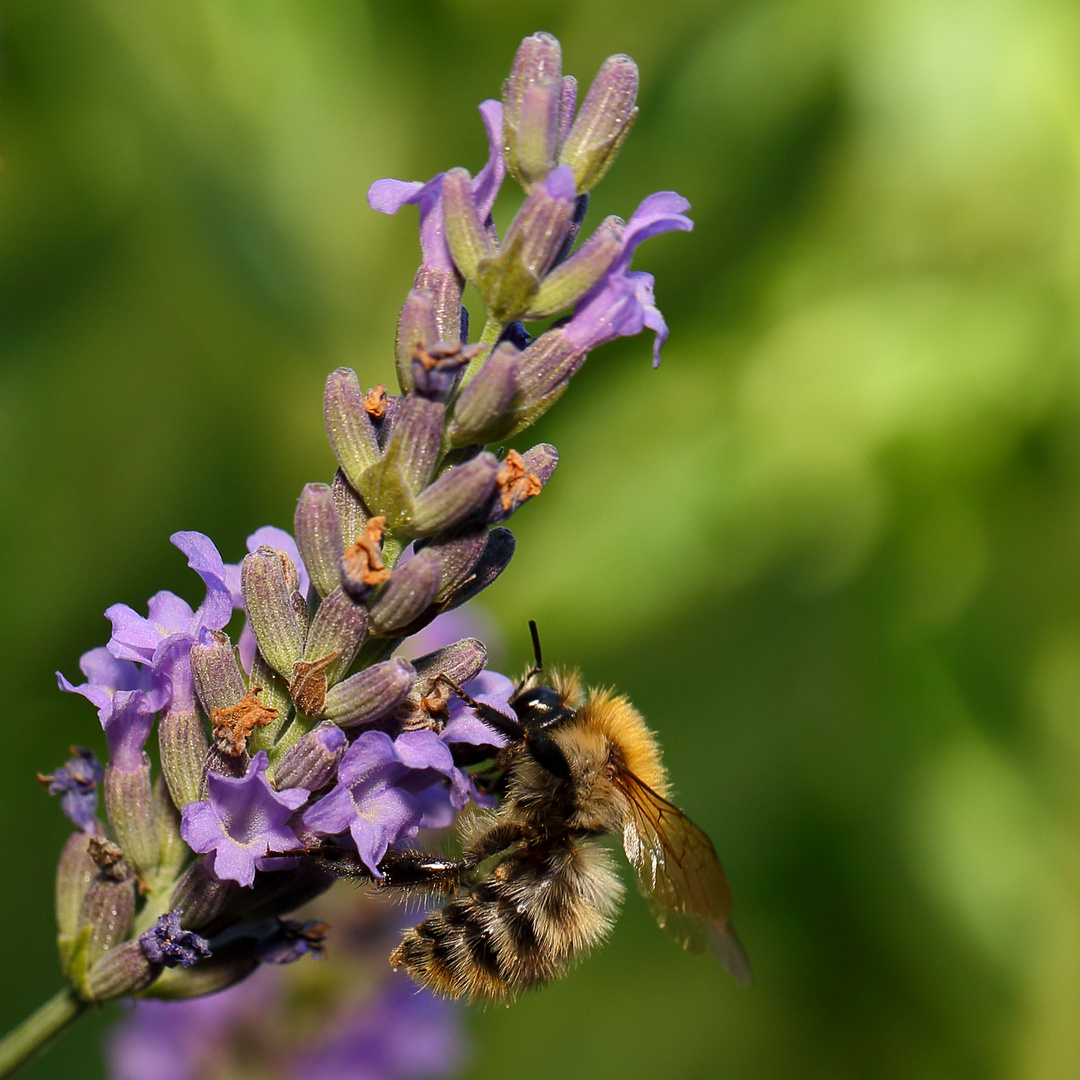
[502, 723]
[413, 869]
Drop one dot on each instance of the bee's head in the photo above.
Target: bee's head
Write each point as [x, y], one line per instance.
[540, 707]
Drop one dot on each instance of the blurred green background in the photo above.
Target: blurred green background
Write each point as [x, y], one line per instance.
[831, 548]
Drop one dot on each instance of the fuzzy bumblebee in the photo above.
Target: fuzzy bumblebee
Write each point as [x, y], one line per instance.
[535, 888]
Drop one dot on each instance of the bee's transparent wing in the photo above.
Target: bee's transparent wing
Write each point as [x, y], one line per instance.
[680, 875]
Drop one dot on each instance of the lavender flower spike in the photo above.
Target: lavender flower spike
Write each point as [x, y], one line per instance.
[243, 820]
[409, 529]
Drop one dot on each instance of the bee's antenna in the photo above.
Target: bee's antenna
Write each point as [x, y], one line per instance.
[539, 666]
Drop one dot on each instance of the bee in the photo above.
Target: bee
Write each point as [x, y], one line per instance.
[535, 888]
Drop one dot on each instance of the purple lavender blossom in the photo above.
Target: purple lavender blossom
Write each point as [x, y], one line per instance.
[192, 1039]
[389, 196]
[401, 1034]
[168, 944]
[127, 699]
[378, 783]
[242, 821]
[163, 640]
[622, 303]
[76, 782]
[488, 688]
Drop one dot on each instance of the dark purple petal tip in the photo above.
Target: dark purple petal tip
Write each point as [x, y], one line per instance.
[166, 943]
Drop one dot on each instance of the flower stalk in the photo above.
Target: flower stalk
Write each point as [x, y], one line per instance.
[39, 1030]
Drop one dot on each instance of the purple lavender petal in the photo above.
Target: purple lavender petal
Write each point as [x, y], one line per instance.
[243, 820]
[489, 688]
[621, 304]
[489, 179]
[366, 800]
[389, 196]
[424, 750]
[168, 944]
[76, 782]
[269, 536]
[429, 760]
[436, 806]
[386, 815]
[406, 1035]
[135, 637]
[126, 697]
[216, 608]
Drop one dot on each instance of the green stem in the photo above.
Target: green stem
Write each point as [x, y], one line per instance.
[488, 336]
[39, 1029]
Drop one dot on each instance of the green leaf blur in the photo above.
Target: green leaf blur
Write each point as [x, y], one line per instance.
[831, 548]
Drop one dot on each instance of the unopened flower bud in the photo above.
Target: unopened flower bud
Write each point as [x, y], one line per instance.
[436, 369]
[444, 288]
[458, 494]
[544, 372]
[410, 590]
[410, 458]
[318, 536]
[121, 972]
[572, 279]
[210, 976]
[370, 694]
[567, 104]
[277, 623]
[509, 279]
[348, 425]
[427, 701]
[312, 762]
[522, 477]
[533, 98]
[174, 853]
[129, 801]
[460, 661]
[351, 512]
[416, 329]
[466, 236]
[109, 903]
[200, 895]
[337, 629]
[482, 404]
[603, 121]
[218, 679]
[74, 874]
[273, 692]
[458, 555]
[498, 552]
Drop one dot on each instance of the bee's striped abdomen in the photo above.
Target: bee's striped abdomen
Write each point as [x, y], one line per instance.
[539, 909]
